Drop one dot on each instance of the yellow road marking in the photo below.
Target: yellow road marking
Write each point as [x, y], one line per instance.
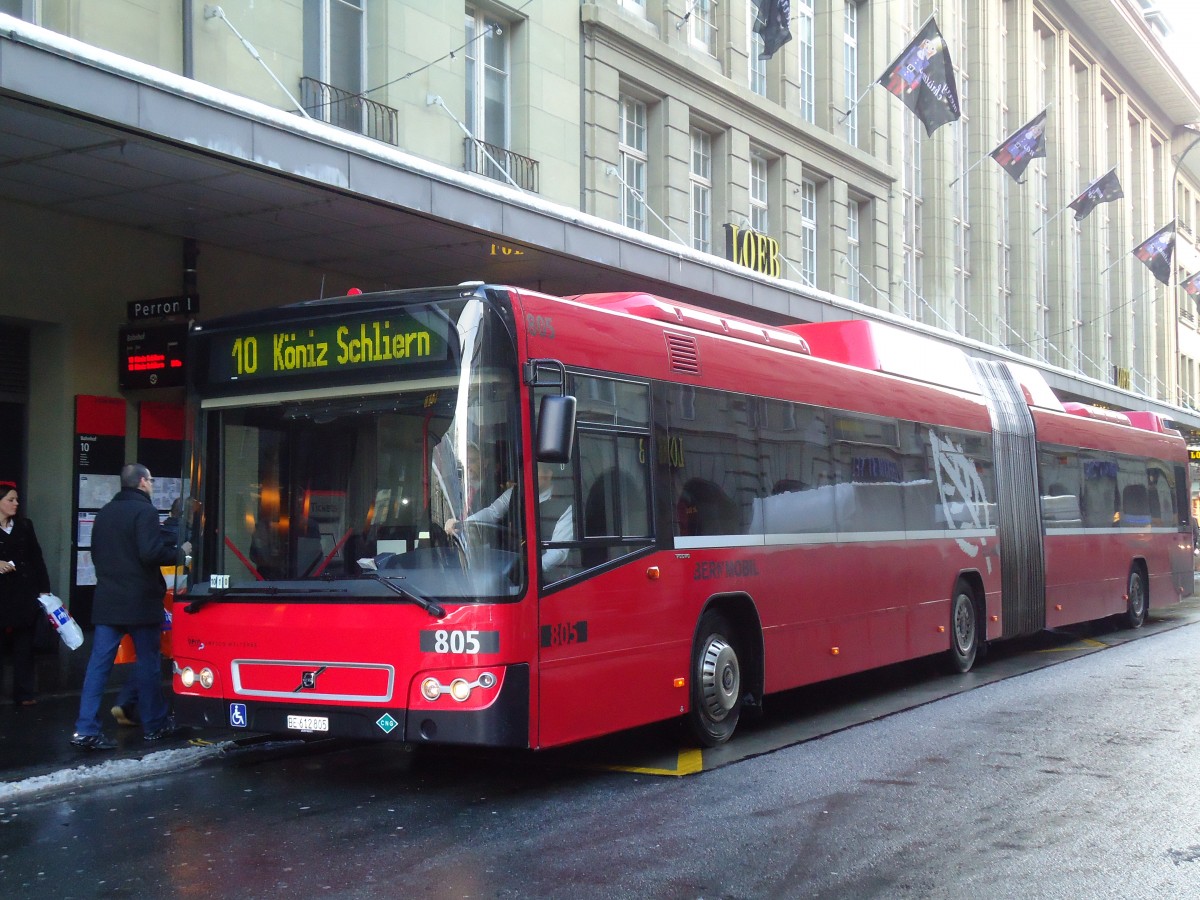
[1087, 642]
[689, 763]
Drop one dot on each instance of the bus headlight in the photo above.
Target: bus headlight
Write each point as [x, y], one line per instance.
[431, 689]
[460, 689]
[188, 677]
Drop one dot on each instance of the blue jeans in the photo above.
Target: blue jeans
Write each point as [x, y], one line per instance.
[147, 675]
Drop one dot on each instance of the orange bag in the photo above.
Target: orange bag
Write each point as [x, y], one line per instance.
[125, 650]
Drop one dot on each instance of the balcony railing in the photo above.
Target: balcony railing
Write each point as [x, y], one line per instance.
[521, 169]
[350, 111]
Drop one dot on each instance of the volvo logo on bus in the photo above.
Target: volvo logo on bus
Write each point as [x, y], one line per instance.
[308, 680]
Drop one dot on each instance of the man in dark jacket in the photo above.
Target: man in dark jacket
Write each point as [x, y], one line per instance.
[128, 549]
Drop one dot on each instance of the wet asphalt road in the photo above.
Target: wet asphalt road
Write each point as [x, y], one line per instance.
[1081, 780]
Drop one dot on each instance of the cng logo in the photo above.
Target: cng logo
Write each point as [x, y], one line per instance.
[387, 723]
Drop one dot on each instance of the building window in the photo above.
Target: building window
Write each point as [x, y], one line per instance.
[1004, 298]
[334, 43]
[703, 26]
[808, 232]
[702, 190]
[853, 249]
[850, 66]
[960, 198]
[758, 66]
[633, 163]
[760, 207]
[29, 10]
[912, 247]
[806, 45]
[1043, 52]
[487, 78]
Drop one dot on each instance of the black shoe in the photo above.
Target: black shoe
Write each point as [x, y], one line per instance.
[166, 732]
[92, 742]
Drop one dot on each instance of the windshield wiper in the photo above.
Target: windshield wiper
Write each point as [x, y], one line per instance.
[428, 604]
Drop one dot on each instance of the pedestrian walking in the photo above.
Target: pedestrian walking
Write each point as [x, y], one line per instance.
[23, 578]
[125, 710]
[128, 548]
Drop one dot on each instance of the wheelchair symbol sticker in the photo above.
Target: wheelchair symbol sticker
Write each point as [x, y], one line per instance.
[237, 715]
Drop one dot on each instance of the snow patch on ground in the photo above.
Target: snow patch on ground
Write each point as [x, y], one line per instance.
[110, 772]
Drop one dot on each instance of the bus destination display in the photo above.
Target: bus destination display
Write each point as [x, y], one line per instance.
[348, 344]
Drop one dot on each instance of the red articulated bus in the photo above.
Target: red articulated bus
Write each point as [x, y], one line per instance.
[483, 515]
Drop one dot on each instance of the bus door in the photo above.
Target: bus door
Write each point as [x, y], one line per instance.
[596, 627]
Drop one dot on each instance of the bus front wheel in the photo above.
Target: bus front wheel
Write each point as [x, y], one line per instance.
[1135, 608]
[716, 682]
[964, 629]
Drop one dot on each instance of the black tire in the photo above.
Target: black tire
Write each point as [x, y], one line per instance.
[716, 682]
[1137, 600]
[964, 629]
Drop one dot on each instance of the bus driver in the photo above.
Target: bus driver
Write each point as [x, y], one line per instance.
[555, 514]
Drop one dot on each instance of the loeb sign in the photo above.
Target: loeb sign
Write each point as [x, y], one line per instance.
[753, 250]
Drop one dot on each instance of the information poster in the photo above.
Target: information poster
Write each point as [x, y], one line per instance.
[99, 455]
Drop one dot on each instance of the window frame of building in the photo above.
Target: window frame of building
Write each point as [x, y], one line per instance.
[702, 25]
[854, 210]
[961, 199]
[482, 74]
[806, 53]
[701, 177]
[759, 192]
[633, 147]
[26, 10]
[808, 231]
[850, 63]
[321, 38]
[757, 67]
[326, 43]
[1042, 36]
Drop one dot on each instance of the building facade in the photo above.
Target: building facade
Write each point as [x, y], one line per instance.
[257, 152]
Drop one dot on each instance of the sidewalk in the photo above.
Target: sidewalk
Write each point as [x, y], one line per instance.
[35, 750]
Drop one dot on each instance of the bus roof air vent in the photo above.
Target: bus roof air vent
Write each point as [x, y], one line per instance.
[683, 354]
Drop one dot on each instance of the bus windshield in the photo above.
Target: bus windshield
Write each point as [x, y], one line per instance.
[403, 486]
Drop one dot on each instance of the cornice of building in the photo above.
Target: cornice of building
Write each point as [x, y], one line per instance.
[1116, 31]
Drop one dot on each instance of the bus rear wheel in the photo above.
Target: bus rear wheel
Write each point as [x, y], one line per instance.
[964, 629]
[1136, 602]
[716, 682]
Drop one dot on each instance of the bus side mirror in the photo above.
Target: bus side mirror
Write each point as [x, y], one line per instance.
[556, 430]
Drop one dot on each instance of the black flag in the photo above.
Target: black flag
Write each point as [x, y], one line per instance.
[923, 77]
[1022, 147]
[1104, 189]
[1156, 252]
[771, 23]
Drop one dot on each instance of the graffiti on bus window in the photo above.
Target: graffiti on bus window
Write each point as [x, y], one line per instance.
[961, 494]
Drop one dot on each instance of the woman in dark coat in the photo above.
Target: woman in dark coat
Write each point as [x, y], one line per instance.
[23, 577]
